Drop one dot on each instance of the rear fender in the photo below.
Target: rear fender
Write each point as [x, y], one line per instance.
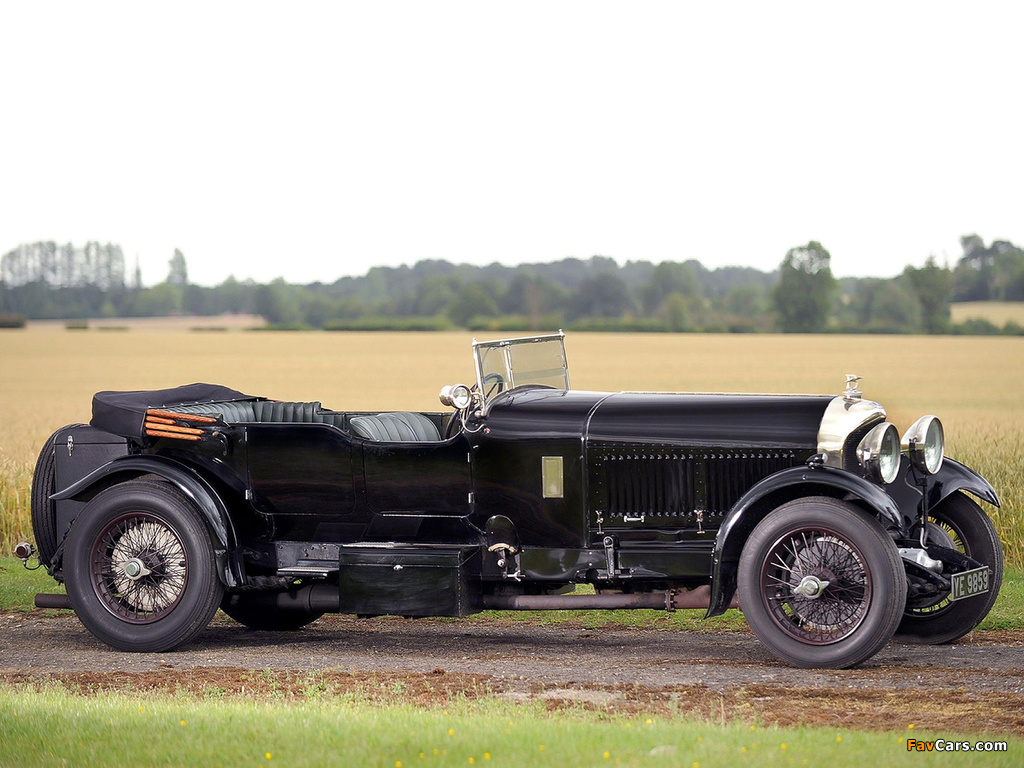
[189, 482]
[774, 491]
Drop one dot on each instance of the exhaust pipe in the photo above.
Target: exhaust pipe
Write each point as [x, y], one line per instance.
[44, 600]
[671, 600]
[313, 598]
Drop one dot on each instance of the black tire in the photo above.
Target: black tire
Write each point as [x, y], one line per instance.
[44, 522]
[958, 523]
[813, 541]
[152, 527]
[249, 609]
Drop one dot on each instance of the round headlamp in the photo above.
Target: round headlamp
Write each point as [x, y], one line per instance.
[925, 444]
[879, 453]
[456, 395]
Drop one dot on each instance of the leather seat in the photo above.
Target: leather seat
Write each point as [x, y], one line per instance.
[398, 427]
[264, 411]
[235, 412]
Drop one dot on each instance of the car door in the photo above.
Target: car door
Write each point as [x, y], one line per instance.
[303, 475]
[422, 479]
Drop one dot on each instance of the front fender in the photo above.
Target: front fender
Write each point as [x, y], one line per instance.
[189, 482]
[951, 477]
[762, 498]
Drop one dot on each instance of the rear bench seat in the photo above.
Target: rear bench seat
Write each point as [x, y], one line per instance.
[249, 411]
[404, 427]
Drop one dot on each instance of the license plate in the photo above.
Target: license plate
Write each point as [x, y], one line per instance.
[969, 583]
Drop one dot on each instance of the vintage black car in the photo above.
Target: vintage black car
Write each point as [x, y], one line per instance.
[808, 511]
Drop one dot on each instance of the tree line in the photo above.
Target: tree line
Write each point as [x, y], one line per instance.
[46, 280]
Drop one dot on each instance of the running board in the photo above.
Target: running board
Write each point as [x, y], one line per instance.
[318, 570]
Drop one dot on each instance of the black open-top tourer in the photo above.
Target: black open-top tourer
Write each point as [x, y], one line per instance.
[809, 512]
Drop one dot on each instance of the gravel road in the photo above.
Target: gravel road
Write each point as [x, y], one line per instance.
[549, 654]
[984, 675]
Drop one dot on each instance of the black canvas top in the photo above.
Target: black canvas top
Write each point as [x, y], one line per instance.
[124, 413]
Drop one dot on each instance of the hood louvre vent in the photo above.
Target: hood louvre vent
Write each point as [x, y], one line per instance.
[731, 474]
[668, 486]
[650, 484]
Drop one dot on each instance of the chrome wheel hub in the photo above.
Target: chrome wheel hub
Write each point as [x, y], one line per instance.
[139, 568]
[810, 587]
[134, 569]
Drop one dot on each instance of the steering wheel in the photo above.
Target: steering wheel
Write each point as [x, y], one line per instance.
[497, 387]
[457, 418]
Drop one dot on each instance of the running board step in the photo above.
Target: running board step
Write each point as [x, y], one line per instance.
[314, 569]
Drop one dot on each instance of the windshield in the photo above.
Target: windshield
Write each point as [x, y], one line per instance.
[507, 363]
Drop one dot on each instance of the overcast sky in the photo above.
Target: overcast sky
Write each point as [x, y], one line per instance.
[315, 140]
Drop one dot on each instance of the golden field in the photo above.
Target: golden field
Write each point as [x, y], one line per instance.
[48, 375]
[999, 313]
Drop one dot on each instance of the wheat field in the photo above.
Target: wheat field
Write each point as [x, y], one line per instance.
[974, 384]
[999, 313]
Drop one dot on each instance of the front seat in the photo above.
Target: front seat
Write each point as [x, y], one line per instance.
[397, 427]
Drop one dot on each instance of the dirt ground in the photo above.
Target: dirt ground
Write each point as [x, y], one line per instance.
[975, 686]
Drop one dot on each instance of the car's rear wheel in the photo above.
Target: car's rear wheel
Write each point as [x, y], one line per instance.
[957, 523]
[252, 611]
[821, 584]
[140, 568]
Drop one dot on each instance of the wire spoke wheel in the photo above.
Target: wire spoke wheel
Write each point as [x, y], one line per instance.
[958, 523]
[816, 554]
[940, 532]
[821, 583]
[139, 568]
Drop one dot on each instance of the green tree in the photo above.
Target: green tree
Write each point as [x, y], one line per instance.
[746, 301]
[894, 309]
[472, 300]
[675, 312]
[317, 309]
[973, 277]
[434, 295]
[276, 302]
[159, 301]
[933, 287]
[1008, 262]
[233, 296]
[806, 286]
[667, 278]
[532, 296]
[603, 295]
[178, 272]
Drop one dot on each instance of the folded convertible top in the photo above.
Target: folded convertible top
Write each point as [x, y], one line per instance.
[124, 413]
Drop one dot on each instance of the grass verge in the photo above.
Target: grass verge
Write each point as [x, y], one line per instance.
[18, 585]
[118, 728]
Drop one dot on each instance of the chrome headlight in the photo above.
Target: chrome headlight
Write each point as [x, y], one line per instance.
[925, 444]
[456, 395]
[879, 453]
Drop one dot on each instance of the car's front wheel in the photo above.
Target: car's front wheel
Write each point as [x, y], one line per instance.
[821, 584]
[140, 568]
[957, 523]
